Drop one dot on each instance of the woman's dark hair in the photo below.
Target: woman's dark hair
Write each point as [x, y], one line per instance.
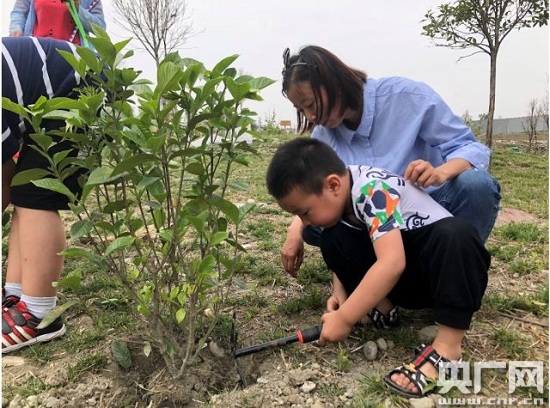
[304, 163]
[320, 67]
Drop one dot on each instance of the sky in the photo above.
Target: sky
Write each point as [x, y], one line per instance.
[382, 38]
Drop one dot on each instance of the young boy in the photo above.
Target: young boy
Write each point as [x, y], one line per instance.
[387, 243]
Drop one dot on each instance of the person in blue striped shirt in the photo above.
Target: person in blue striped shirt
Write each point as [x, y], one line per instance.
[31, 68]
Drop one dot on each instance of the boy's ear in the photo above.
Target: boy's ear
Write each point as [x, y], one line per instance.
[333, 182]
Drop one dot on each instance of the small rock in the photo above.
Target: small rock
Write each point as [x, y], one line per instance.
[425, 402]
[390, 344]
[370, 350]
[381, 344]
[16, 402]
[32, 401]
[51, 402]
[308, 386]
[427, 334]
[298, 377]
[216, 350]
[262, 380]
[317, 404]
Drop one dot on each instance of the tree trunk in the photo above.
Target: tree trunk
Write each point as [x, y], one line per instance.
[492, 95]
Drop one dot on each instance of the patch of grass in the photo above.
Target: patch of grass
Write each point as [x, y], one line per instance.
[520, 232]
[537, 304]
[522, 177]
[330, 390]
[374, 393]
[313, 300]
[314, 271]
[511, 341]
[78, 341]
[87, 364]
[503, 251]
[39, 354]
[342, 361]
[525, 266]
[266, 272]
[260, 229]
[33, 385]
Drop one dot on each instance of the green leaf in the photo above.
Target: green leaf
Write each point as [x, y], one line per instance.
[223, 64]
[82, 253]
[81, 228]
[119, 244]
[55, 185]
[195, 168]
[207, 264]
[26, 176]
[230, 210]
[132, 162]
[180, 315]
[168, 77]
[121, 354]
[11, 106]
[101, 175]
[55, 313]
[219, 237]
[245, 209]
[239, 186]
[72, 281]
[260, 83]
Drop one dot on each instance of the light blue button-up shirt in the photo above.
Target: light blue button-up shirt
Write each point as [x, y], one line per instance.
[402, 121]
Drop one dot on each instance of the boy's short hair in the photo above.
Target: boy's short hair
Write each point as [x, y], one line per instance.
[303, 163]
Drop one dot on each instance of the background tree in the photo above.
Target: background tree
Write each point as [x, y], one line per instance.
[483, 24]
[531, 123]
[161, 26]
[543, 109]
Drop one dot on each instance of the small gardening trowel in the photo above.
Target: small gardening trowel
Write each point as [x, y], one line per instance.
[301, 336]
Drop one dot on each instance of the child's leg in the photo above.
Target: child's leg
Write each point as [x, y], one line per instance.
[447, 343]
[451, 266]
[349, 254]
[36, 238]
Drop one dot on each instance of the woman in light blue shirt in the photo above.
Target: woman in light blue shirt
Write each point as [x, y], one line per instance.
[393, 123]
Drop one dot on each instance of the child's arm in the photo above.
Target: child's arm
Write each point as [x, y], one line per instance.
[339, 295]
[375, 286]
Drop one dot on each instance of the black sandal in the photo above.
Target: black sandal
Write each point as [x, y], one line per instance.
[424, 354]
[385, 321]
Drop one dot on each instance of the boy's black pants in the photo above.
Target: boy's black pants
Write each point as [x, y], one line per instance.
[446, 267]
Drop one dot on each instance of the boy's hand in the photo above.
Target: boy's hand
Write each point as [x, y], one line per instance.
[333, 303]
[334, 328]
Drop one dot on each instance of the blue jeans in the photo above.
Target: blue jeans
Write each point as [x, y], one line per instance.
[473, 195]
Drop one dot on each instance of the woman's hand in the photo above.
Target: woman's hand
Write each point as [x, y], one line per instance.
[16, 33]
[423, 174]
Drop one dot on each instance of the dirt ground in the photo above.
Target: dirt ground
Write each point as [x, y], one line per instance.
[292, 376]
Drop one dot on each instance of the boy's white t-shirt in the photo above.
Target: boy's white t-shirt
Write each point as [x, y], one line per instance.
[384, 201]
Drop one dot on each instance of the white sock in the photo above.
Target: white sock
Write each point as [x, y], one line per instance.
[39, 306]
[12, 289]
